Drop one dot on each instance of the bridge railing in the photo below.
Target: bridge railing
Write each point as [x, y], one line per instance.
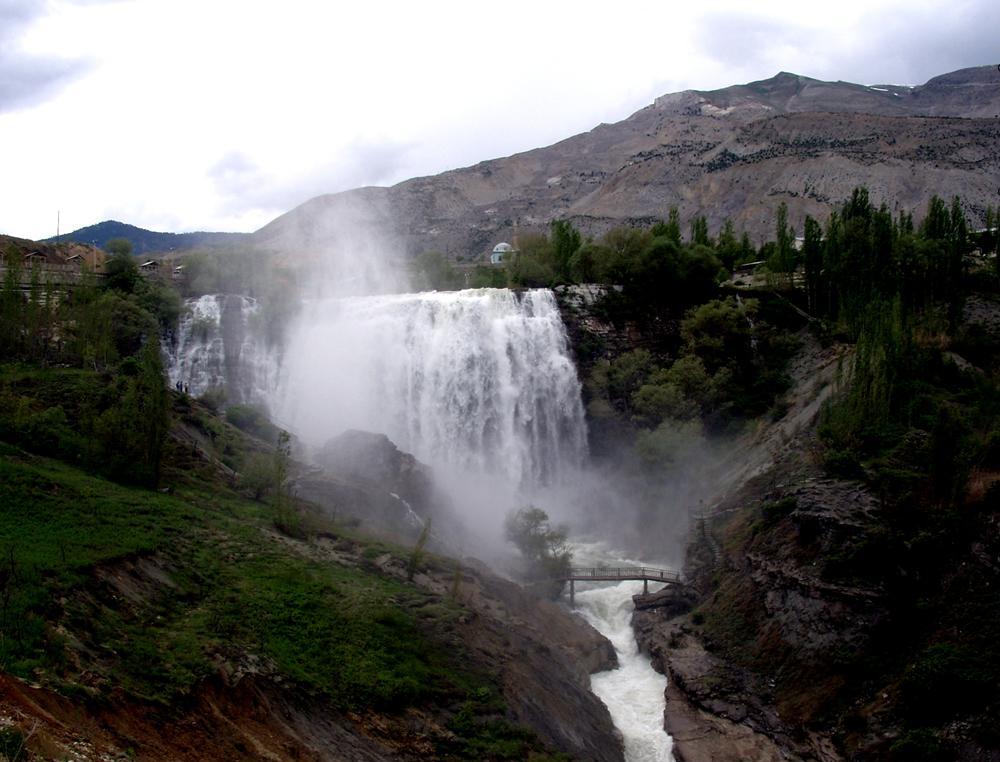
[625, 572]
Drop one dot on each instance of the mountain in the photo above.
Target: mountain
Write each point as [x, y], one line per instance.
[147, 241]
[733, 153]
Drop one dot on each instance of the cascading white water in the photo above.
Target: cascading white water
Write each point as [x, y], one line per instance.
[218, 346]
[475, 382]
[633, 693]
[479, 380]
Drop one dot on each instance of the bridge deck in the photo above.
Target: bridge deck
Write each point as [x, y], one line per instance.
[620, 573]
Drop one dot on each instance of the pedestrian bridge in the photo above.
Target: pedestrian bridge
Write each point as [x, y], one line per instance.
[619, 574]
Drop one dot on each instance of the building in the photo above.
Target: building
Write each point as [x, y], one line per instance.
[501, 253]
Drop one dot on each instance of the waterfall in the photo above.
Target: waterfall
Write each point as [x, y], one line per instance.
[479, 380]
[218, 345]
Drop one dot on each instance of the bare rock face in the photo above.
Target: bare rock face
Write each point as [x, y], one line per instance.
[364, 477]
[544, 655]
[373, 458]
[734, 153]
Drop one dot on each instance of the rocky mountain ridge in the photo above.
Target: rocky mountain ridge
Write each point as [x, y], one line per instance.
[734, 153]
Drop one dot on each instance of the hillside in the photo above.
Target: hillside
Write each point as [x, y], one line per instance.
[733, 153]
[146, 241]
[189, 624]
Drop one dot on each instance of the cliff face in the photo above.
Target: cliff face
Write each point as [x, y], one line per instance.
[832, 618]
[734, 153]
[827, 623]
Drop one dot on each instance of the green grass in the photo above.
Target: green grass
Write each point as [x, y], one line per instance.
[347, 635]
[112, 592]
[344, 632]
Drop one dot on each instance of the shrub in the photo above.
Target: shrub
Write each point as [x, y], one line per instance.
[543, 547]
[945, 680]
[253, 420]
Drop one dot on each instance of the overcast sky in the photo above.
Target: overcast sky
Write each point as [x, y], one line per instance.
[187, 115]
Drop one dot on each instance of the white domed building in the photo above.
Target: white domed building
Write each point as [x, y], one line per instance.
[501, 252]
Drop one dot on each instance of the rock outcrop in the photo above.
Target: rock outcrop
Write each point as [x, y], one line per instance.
[365, 478]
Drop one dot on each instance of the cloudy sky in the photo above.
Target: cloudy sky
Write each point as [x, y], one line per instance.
[187, 115]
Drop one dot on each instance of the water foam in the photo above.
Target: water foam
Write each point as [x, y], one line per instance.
[479, 380]
[219, 346]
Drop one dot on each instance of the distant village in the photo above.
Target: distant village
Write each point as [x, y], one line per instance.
[58, 264]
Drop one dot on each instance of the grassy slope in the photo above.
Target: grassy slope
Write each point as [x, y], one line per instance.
[108, 590]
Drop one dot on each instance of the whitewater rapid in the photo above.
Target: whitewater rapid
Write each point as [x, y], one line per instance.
[633, 693]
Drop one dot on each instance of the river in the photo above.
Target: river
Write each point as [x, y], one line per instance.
[633, 693]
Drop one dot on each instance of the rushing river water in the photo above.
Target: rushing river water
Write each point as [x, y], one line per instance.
[633, 693]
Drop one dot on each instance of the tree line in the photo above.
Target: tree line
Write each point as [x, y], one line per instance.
[111, 413]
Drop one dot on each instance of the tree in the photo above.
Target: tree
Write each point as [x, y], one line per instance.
[699, 231]
[132, 431]
[673, 227]
[586, 263]
[433, 271]
[12, 307]
[285, 517]
[565, 242]
[812, 254]
[257, 475]
[728, 247]
[669, 442]
[958, 245]
[783, 260]
[161, 301]
[417, 554]
[542, 546]
[747, 251]
[721, 334]
[121, 273]
[533, 265]
[119, 247]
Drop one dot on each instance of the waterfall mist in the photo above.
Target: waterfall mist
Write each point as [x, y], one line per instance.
[478, 384]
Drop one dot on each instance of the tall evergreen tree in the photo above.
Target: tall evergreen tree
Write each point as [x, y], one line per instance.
[699, 231]
[673, 227]
[565, 241]
[812, 254]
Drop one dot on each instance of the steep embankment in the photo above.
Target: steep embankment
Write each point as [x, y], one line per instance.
[735, 154]
[197, 624]
[839, 618]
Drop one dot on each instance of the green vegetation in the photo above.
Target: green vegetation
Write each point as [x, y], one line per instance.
[113, 423]
[431, 271]
[12, 745]
[109, 588]
[915, 417]
[344, 633]
[728, 367]
[114, 418]
[418, 553]
[542, 546]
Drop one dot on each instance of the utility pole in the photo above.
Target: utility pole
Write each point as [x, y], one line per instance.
[58, 212]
